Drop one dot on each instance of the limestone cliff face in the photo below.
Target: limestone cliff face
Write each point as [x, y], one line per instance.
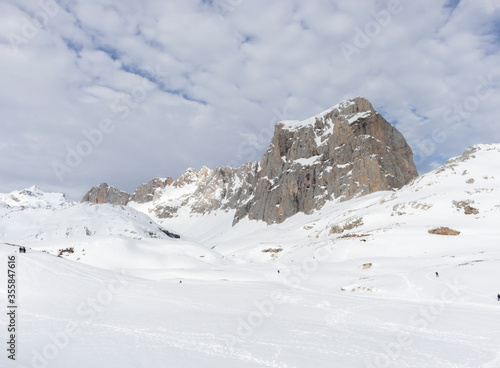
[103, 193]
[347, 151]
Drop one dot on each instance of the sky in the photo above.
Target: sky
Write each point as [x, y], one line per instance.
[126, 91]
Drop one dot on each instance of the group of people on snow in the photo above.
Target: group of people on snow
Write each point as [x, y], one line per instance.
[22, 249]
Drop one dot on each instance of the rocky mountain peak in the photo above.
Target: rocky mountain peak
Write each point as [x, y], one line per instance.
[191, 176]
[347, 151]
[104, 193]
[350, 109]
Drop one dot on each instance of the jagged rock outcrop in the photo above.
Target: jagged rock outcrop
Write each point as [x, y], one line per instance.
[103, 193]
[347, 151]
[146, 192]
[224, 188]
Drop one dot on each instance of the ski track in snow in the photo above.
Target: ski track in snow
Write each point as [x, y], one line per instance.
[338, 327]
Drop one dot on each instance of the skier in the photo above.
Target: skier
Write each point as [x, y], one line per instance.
[498, 296]
[278, 272]
[437, 274]
[20, 249]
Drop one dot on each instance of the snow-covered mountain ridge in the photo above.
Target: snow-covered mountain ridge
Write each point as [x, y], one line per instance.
[347, 151]
[357, 285]
[461, 195]
[32, 197]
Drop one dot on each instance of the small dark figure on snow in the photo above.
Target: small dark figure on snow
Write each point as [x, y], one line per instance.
[437, 274]
[278, 271]
[22, 250]
[180, 282]
[498, 296]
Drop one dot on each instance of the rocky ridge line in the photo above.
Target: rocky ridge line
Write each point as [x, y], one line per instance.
[347, 151]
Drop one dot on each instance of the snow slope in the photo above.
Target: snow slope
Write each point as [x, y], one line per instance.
[73, 315]
[113, 237]
[390, 230]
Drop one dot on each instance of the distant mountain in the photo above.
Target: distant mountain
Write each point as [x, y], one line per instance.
[347, 151]
[104, 193]
[31, 214]
[32, 197]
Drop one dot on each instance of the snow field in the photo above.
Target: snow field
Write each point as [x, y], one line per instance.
[76, 315]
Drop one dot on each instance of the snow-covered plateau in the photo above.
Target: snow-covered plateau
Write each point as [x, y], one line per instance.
[405, 278]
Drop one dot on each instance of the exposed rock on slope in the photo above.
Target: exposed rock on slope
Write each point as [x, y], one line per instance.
[146, 192]
[346, 151]
[206, 190]
[103, 193]
[444, 231]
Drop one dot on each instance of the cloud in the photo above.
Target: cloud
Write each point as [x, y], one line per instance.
[193, 83]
